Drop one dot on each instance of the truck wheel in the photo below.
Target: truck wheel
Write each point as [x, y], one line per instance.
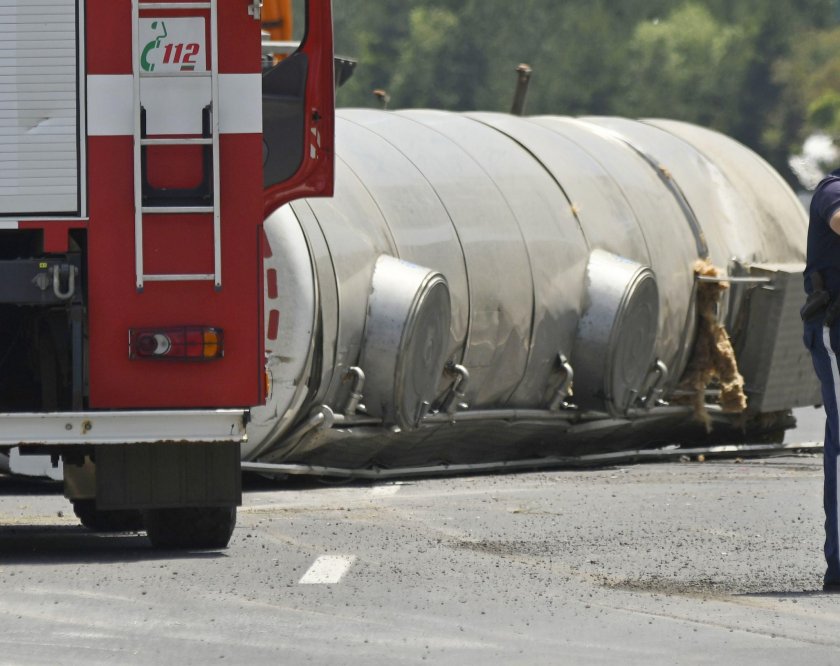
[190, 527]
[106, 521]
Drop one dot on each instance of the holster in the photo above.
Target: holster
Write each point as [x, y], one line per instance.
[819, 302]
[832, 312]
[816, 303]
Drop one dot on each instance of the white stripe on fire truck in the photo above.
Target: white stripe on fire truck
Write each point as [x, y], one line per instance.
[8, 224]
[111, 104]
[240, 103]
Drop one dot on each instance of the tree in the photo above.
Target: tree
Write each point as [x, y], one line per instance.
[688, 66]
[439, 64]
[810, 76]
[762, 71]
[371, 31]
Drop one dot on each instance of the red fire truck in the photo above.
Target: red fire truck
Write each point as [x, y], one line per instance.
[134, 180]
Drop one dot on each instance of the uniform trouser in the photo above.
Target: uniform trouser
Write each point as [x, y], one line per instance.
[824, 343]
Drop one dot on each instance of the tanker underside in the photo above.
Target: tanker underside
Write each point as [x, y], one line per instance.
[353, 452]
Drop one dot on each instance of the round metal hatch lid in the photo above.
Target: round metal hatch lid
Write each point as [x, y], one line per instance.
[616, 333]
[405, 341]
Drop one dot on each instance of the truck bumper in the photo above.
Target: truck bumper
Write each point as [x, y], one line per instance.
[122, 427]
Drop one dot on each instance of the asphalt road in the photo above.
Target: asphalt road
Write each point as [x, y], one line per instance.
[677, 563]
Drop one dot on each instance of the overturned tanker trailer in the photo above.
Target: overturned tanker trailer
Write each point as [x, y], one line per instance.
[486, 288]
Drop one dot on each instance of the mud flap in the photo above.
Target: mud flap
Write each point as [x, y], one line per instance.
[151, 476]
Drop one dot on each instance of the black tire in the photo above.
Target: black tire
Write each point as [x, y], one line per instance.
[106, 521]
[190, 527]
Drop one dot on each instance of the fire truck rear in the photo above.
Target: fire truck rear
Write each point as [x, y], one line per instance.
[134, 180]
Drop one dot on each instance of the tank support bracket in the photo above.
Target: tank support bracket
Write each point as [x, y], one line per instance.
[454, 401]
[565, 388]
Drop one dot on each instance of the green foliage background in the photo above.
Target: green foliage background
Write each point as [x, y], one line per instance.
[766, 72]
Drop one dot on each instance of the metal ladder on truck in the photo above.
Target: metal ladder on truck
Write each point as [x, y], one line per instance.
[209, 139]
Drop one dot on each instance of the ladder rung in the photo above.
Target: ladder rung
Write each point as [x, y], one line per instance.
[176, 142]
[178, 277]
[175, 75]
[182, 210]
[174, 5]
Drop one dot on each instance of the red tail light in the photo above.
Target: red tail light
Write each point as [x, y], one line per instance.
[179, 343]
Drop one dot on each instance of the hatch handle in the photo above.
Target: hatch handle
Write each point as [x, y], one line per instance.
[57, 272]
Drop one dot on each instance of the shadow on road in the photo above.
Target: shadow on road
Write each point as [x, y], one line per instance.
[22, 485]
[72, 544]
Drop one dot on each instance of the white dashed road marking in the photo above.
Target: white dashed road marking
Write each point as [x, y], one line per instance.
[390, 489]
[328, 570]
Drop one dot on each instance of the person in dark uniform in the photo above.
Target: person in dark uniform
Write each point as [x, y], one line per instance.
[821, 315]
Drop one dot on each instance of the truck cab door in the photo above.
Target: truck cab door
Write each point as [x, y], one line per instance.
[298, 103]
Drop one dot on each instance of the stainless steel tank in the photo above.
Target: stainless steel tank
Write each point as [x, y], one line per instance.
[476, 267]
